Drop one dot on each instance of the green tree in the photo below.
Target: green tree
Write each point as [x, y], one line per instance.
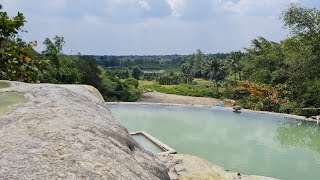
[262, 61]
[187, 71]
[10, 27]
[18, 60]
[63, 68]
[68, 72]
[304, 26]
[234, 63]
[136, 72]
[126, 73]
[112, 88]
[132, 82]
[214, 70]
[89, 71]
[303, 49]
[199, 60]
[302, 21]
[54, 49]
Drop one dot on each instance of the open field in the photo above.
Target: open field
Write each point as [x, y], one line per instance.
[157, 97]
[199, 88]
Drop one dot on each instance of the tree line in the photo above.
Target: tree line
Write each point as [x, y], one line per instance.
[155, 62]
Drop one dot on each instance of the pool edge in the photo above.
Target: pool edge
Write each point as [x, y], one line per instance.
[296, 117]
[168, 149]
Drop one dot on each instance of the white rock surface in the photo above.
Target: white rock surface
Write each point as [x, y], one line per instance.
[66, 132]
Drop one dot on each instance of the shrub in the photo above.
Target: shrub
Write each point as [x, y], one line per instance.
[261, 96]
[188, 90]
[290, 108]
[132, 82]
[18, 62]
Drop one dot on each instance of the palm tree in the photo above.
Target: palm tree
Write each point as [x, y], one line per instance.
[214, 70]
[233, 63]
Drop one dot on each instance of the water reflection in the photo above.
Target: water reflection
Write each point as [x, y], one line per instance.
[299, 134]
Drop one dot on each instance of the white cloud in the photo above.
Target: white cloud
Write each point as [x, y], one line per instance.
[192, 10]
[176, 6]
[151, 26]
[256, 6]
[145, 5]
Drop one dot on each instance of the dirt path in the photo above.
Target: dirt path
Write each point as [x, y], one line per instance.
[156, 97]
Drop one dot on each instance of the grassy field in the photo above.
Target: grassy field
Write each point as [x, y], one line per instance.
[199, 88]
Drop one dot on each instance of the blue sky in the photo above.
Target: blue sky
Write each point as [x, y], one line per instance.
[124, 27]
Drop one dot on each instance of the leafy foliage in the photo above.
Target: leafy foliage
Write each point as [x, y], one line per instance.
[261, 96]
[10, 27]
[18, 61]
[112, 88]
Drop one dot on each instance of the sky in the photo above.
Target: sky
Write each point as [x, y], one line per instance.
[152, 27]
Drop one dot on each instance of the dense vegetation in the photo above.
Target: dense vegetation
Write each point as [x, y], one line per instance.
[289, 70]
[275, 76]
[281, 77]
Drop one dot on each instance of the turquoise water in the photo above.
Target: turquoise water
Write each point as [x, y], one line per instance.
[8, 100]
[147, 144]
[250, 143]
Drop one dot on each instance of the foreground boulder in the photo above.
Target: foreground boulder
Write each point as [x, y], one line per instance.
[66, 132]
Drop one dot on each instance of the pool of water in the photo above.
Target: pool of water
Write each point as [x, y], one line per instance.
[8, 100]
[5, 84]
[147, 144]
[249, 142]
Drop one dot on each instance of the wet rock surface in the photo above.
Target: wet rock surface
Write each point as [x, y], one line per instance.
[187, 167]
[66, 132]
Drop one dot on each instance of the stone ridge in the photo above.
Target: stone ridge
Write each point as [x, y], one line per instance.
[66, 132]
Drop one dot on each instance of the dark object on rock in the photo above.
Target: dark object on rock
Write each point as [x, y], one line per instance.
[237, 109]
